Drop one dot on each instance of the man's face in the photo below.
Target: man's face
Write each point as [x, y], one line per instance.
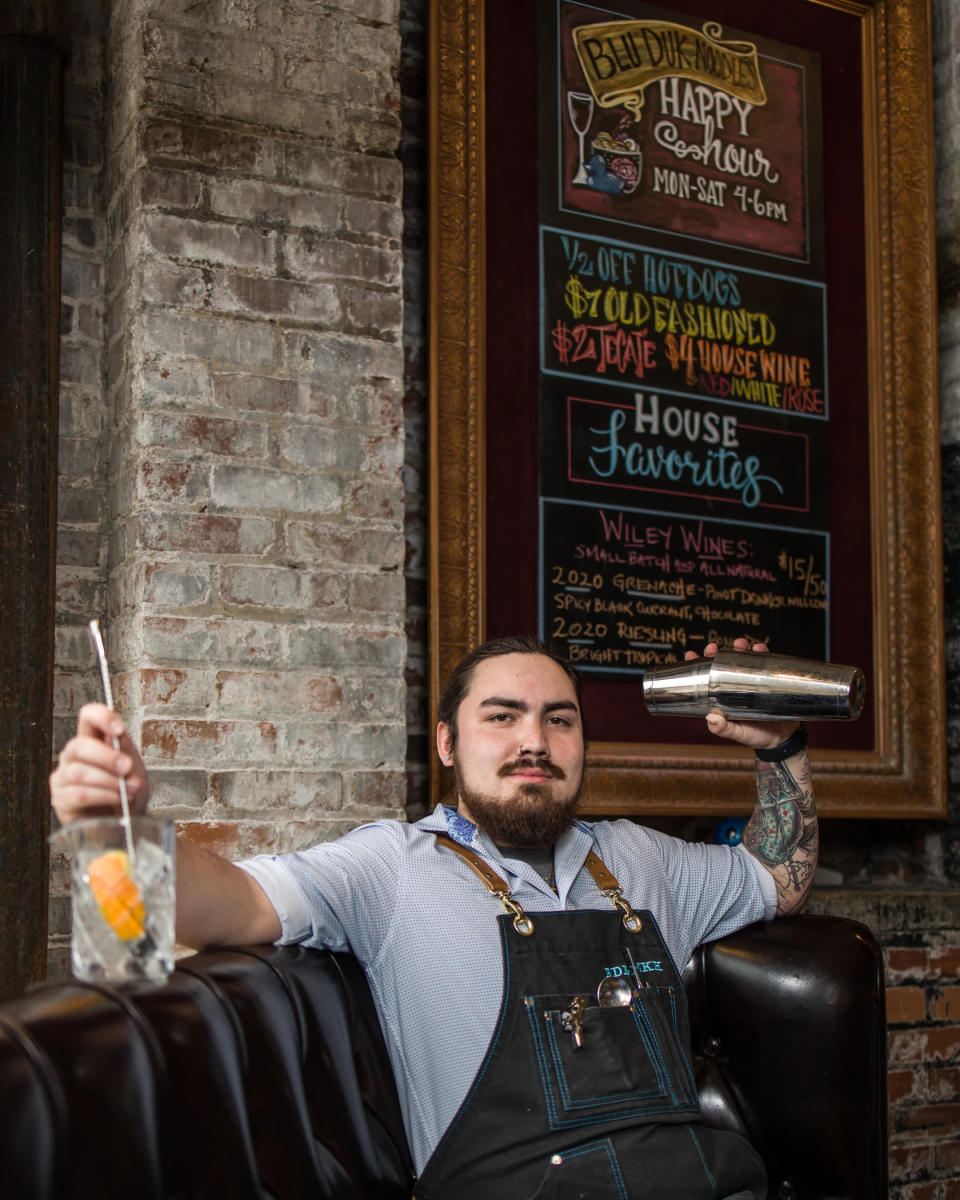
[518, 758]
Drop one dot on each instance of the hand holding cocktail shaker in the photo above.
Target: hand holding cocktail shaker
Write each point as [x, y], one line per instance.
[755, 687]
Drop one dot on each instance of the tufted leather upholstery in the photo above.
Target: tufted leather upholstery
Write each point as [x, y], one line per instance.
[261, 1073]
[790, 1046]
[256, 1072]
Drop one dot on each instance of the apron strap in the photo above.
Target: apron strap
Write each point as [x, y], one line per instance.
[608, 885]
[498, 888]
[491, 881]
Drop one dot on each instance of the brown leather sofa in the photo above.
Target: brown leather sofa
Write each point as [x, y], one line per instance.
[261, 1074]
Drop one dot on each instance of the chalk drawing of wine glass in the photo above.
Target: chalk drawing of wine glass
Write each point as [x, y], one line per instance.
[580, 112]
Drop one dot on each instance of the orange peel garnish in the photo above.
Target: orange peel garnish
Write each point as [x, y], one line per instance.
[117, 896]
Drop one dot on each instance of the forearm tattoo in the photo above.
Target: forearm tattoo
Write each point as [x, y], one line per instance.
[782, 832]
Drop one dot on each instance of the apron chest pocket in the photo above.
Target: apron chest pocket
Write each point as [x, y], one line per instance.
[601, 1064]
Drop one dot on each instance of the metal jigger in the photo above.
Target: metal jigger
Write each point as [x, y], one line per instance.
[755, 687]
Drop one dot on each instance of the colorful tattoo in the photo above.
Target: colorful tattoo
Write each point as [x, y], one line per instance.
[775, 829]
[782, 833]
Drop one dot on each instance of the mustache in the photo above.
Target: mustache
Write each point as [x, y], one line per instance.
[539, 764]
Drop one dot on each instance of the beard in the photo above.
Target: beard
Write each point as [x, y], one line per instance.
[531, 817]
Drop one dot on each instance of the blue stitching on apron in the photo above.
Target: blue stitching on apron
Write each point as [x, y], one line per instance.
[703, 1159]
[545, 1083]
[606, 1145]
[557, 1122]
[642, 1011]
[612, 1097]
[676, 1029]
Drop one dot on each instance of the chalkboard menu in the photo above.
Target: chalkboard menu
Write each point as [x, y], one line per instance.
[684, 423]
[683, 369]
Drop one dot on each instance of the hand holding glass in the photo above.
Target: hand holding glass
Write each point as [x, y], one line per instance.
[123, 908]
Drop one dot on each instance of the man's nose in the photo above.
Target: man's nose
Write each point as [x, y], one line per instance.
[533, 740]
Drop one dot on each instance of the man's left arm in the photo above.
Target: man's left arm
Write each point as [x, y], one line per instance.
[782, 832]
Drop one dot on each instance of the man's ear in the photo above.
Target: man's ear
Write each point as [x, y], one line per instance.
[444, 743]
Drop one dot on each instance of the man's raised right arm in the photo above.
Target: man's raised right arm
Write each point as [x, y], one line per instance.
[217, 902]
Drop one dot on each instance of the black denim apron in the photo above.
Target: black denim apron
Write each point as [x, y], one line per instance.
[578, 1099]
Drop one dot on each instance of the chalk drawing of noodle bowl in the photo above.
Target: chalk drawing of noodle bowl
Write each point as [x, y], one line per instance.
[615, 165]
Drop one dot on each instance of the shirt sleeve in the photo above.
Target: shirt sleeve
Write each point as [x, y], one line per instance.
[699, 892]
[338, 895]
[719, 889]
[283, 894]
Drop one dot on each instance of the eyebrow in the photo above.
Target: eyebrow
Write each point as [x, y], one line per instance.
[522, 706]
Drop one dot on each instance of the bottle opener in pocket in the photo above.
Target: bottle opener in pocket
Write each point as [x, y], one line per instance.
[572, 1020]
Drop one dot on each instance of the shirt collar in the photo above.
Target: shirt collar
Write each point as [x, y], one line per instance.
[460, 828]
[439, 821]
[445, 819]
[568, 856]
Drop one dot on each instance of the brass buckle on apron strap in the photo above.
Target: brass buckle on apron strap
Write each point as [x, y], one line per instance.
[613, 891]
[523, 924]
[496, 886]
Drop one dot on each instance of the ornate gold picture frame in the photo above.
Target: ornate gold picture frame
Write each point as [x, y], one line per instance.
[903, 774]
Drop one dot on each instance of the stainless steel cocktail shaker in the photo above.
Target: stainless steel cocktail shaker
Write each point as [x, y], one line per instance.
[755, 687]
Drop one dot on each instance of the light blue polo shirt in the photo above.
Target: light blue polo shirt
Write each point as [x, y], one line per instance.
[424, 928]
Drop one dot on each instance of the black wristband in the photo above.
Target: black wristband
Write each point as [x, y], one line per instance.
[796, 742]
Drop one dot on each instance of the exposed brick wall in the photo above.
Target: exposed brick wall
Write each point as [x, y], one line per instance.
[258, 549]
[233, 493]
[920, 936]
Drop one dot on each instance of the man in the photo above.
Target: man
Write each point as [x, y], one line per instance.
[543, 1051]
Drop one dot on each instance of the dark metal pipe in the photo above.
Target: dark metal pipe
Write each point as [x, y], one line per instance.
[33, 39]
